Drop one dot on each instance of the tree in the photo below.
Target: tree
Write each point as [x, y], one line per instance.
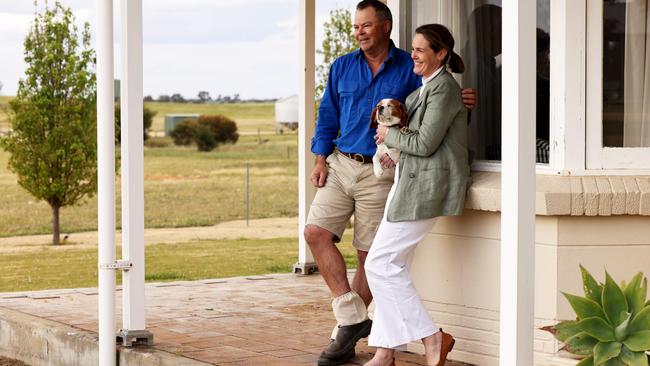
[53, 141]
[147, 121]
[147, 98]
[339, 40]
[204, 96]
[164, 98]
[177, 98]
[1, 85]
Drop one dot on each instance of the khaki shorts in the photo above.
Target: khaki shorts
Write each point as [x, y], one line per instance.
[351, 188]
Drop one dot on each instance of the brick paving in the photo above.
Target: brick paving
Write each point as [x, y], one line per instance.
[273, 320]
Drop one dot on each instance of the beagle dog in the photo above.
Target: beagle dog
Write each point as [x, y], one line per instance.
[388, 112]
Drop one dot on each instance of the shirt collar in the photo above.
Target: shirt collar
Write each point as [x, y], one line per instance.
[392, 53]
[426, 80]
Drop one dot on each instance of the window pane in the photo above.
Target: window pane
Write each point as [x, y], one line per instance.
[476, 26]
[626, 73]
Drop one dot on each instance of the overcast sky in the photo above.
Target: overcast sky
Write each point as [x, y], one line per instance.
[248, 47]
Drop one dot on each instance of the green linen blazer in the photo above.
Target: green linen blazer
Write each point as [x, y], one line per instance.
[433, 164]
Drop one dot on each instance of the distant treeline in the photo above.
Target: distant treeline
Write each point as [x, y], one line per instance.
[204, 97]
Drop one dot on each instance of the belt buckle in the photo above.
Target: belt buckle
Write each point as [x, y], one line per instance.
[359, 158]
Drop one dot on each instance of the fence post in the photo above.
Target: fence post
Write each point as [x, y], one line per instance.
[248, 189]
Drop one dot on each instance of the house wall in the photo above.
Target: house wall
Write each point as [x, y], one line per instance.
[456, 271]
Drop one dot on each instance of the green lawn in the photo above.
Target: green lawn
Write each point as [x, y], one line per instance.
[182, 188]
[71, 268]
[249, 116]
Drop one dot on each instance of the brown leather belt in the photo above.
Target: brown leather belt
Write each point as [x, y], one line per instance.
[365, 159]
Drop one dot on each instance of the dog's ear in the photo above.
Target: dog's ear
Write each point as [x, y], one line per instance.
[403, 116]
[373, 118]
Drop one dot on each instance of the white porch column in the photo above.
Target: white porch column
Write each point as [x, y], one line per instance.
[518, 184]
[307, 50]
[106, 182]
[568, 117]
[133, 322]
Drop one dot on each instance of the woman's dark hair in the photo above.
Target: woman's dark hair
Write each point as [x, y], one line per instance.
[440, 38]
[382, 11]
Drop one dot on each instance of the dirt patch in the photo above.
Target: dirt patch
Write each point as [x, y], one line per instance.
[279, 227]
[9, 362]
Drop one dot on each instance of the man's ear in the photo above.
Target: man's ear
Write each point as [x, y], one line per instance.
[403, 117]
[373, 118]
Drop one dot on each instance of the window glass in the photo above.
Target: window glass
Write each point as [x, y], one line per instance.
[476, 26]
[626, 73]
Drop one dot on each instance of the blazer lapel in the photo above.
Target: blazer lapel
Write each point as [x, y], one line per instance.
[413, 105]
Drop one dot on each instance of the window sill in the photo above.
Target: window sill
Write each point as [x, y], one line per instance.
[575, 196]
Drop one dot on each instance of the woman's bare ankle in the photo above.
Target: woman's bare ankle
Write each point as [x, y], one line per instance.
[432, 347]
[383, 357]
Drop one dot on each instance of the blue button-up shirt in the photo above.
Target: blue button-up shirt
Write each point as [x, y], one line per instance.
[351, 94]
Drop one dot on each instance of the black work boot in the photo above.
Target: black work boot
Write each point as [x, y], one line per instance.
[341, 349]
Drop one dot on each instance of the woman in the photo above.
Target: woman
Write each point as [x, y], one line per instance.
[430, 181]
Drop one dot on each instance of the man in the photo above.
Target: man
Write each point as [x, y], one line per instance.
[345, 178]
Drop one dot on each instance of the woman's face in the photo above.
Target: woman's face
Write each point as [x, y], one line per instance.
[426, 60]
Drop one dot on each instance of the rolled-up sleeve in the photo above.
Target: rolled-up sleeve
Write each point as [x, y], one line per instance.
[327, 126]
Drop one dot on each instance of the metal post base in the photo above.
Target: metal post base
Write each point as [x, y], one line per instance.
[305, 268]
[130, 337]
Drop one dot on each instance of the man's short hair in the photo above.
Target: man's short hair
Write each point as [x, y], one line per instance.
[383, 12]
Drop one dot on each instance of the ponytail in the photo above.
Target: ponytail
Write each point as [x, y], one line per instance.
[456, 63]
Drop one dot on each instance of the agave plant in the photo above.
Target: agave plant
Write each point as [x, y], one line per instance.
[613, 322]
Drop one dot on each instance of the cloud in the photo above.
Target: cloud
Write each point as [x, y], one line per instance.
[253, 69]
[14, 27]
[223, 46]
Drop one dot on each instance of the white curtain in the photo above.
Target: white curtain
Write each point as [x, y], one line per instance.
[637, 74]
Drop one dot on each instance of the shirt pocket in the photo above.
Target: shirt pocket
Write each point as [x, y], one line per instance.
[394, 91]
[347, 88]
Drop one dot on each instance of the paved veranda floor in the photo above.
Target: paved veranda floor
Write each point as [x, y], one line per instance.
[260, 320]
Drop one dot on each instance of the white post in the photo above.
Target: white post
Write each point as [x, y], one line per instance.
[518, 184]
[106, 182]
[568, 47]
[307, 50]
[132, 168]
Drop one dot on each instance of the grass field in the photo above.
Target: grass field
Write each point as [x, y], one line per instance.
[249, 116]
[182, 188]
[51, 269]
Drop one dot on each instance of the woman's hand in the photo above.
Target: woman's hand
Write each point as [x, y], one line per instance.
[381, 134]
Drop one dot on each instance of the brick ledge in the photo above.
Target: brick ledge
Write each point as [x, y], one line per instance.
[575, 196]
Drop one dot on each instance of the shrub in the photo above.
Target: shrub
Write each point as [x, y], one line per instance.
[185, 132]
[612, 325]
[147, 121]
[205, 140]
[208, 132]
[223, 128]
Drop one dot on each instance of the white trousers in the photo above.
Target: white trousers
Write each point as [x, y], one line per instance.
[400, 316]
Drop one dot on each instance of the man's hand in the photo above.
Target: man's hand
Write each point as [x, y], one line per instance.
[387, 162]
[319, 174]
[469, 98]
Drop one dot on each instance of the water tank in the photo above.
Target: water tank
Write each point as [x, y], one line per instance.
[286, 112]
[171, 120]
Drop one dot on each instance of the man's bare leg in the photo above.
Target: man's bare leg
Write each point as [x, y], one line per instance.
[330, 262]
[360, 282]
[352, 325]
